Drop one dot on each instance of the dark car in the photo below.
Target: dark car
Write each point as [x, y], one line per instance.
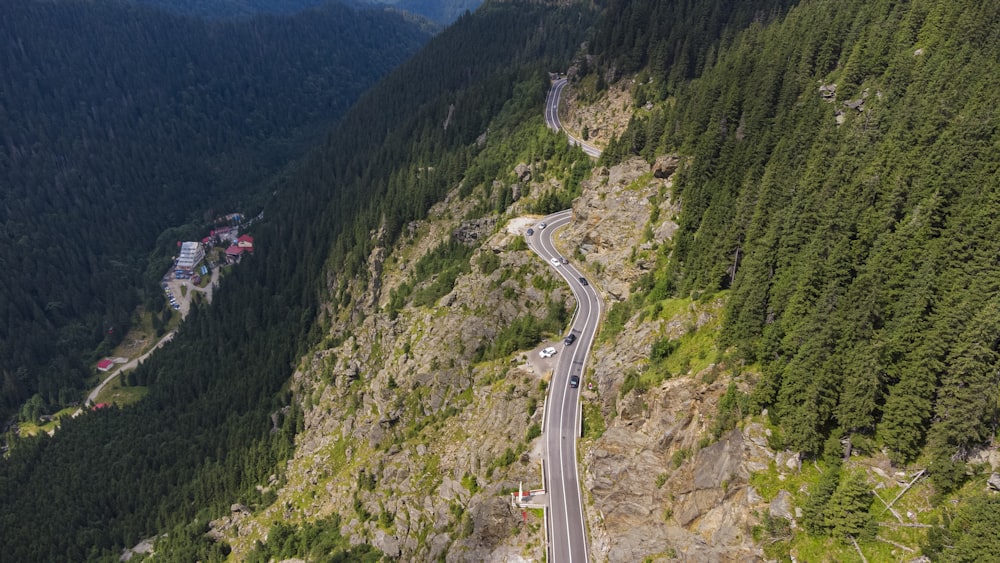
[574, 381]
[583, 281]
[570, 338]
[530, 232]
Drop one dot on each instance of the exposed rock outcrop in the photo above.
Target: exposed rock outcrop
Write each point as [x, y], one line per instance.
[407, 437]
[781, 506]
[469, 232]
[612, 228]
[658, 491]
[993, 482]
[604, 117]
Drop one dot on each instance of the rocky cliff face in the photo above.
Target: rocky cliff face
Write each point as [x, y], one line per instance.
[409, 438]
[416, 444]
[658, 487]
[604, 115]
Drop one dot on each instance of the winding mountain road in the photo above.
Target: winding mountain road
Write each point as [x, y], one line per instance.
[567, 531]
[552, 118]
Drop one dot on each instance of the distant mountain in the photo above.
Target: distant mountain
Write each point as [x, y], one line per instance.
[439, 11]
[234, 8]
[118, 122]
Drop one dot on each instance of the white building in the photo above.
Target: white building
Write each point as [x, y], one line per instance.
[191, 254]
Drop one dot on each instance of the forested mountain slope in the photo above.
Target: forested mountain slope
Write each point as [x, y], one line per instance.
[119, 122]
[839, 193]
[217, 419]
[843, 184]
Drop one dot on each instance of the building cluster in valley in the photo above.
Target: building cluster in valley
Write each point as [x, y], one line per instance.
[193, 252]
[191, 264]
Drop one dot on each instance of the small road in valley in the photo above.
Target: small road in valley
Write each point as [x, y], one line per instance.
[552, 118]
[567, 531]
[132, 364]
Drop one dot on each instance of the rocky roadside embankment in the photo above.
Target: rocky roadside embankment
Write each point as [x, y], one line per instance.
[656, 486]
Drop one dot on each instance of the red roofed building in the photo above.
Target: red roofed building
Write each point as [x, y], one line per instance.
[234, 253]
[105, 364]
[245, 241]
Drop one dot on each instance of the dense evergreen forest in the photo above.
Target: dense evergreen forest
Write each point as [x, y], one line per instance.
[205, 436]
[858, 233]
[842, 184]
[673, 41]
[118, 123]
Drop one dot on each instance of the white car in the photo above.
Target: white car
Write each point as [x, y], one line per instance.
[542, 225]
[555, 262]
[547, 352]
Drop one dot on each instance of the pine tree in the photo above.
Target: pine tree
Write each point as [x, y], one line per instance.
[966, 407]
[814, 511]
[847, 513]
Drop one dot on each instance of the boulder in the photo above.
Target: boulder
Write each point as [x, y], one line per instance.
[386, 543]
[994, 482]
[523, 172]
[781, 506]
[665, 166]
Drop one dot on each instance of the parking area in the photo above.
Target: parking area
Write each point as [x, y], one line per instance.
[179, 292]
[543, 359]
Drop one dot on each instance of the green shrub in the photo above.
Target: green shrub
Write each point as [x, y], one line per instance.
[662, 349]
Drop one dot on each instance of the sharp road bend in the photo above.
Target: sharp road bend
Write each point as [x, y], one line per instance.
[567, 531]
[552, 118]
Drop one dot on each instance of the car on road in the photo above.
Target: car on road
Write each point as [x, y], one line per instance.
[547, 352]
[563, 260]
[530, 232]
[555, 262]
[574, 381]
[570, 338]
[583, 281]
[542, 225]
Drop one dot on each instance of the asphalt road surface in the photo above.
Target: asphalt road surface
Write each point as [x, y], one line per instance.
[567, 531]
[552, 118]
